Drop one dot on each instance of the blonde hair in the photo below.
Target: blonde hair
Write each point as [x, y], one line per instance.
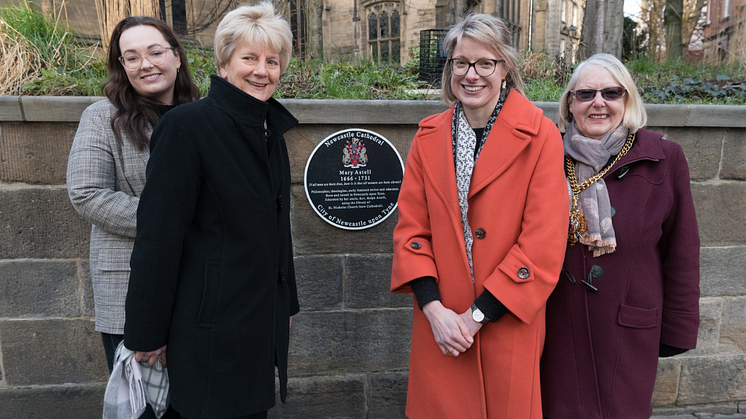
[255, 25]
[635, 116]
[494, 35]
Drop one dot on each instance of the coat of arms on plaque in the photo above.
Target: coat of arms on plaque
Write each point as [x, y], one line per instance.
[354, 154]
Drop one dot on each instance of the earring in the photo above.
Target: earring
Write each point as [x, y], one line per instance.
[504, 84]
[177, 69]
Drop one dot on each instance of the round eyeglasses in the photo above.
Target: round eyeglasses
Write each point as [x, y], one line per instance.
[609, 93]
[156, 56]
[484, 68]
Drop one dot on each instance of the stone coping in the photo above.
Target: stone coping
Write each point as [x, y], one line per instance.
[377, 112]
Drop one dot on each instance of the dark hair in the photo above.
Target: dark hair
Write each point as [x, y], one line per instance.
[137, 114]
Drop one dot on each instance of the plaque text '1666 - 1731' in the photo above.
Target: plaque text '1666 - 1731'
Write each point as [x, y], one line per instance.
[352, 179]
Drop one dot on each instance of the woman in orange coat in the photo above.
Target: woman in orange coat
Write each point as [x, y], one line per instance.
[483, 214]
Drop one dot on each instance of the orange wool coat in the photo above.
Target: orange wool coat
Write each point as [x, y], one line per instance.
[519, 197]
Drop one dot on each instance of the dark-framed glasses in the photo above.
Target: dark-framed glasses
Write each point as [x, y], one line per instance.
[484, 67]
[609, 93]
[156, 56]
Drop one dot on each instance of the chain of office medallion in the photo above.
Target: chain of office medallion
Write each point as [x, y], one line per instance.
[593, 179]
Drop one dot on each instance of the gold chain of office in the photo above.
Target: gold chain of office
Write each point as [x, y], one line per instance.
[577, 221]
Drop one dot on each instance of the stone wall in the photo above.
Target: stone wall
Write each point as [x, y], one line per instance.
[350, 343]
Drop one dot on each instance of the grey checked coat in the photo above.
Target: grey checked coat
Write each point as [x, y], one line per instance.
[104, 181]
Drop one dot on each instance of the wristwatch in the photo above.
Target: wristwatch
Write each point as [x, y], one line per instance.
[477, 315]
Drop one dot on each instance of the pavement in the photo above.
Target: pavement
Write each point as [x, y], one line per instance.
[700, 415]
[717, 411]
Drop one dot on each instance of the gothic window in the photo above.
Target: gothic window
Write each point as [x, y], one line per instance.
[575, 15]
[383, 32]
[510, 12]
[563, 12]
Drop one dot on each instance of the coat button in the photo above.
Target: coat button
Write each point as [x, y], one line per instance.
[280, 205]
[613, 211]
[623, 171]
[281, 276]
[480, 233]
[416, 245]
[596, 272]
[523, 273]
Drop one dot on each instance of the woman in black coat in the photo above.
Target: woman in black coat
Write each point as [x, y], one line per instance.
[212, 288]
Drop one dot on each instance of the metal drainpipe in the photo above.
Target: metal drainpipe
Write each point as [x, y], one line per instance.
[355, 20]
[530, 23]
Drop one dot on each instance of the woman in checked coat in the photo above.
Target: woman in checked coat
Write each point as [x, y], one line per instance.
[106, 167]
[480, 237]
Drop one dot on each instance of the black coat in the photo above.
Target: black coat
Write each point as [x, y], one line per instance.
[212, 267]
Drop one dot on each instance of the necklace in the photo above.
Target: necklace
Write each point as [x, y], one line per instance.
[577, 221]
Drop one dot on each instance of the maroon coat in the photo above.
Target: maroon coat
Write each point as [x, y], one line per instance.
[601, 353]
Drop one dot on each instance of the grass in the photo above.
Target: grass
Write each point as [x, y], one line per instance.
[40, 56]
[358, 79]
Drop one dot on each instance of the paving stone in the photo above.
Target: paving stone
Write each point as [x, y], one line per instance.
[712, 379]
[368, 283]
[52, 351]
[733, 327]
[722, 271]
[320, 281]
[702, 148]
[40, 223]
[312, 235]
[350, 341]
[725, 410]
[68, 401]
[35, 152]
[39, 288]
[734, 155]
[666, 382]
[387, 395]
[712, 201]
[335, 396]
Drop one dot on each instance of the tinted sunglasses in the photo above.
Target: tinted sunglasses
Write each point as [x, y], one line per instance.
[609, 93]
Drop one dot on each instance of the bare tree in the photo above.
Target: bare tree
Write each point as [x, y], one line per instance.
[652, 18]
[315, 44]
[598, 30]
[672, 21]
[693, 11]
[110, 12]
[603, 28]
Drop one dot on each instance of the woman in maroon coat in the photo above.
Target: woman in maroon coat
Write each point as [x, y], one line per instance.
[629, 289]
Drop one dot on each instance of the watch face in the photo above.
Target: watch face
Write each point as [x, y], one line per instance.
[477, 315]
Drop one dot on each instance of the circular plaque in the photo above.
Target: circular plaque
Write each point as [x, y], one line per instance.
[353, 178]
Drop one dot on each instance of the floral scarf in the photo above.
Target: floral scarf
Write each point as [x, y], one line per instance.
[590, 157]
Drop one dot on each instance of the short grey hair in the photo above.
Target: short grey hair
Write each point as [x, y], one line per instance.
[635, 116]
[491, 32]
[255, 25]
